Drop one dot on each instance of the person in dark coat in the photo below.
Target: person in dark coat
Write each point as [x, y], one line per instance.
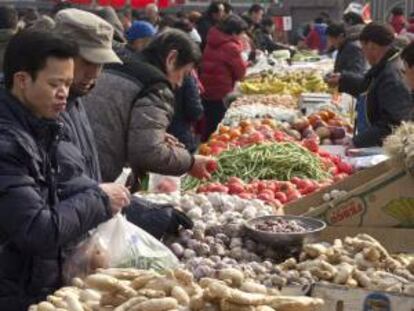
[388, 100]
[263, 37]
[407, 57]
[214, 14]
[131, 121]
[188, 110]
[350, 57]
[38, 220]
[221, 67]
[8, 28]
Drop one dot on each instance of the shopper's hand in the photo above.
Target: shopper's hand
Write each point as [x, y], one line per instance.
[202, 167]
[333, 79]
[172, 141]
[119, 196]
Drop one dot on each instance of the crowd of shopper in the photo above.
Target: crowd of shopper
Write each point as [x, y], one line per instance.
[86, 94]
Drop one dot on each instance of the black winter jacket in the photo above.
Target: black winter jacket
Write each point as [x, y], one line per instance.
[78, 131]
[388, 98]
[265, 42]
[36, 220]
[188, 109]
[350, 58]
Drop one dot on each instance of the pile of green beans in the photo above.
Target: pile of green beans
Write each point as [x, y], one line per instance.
[273, 161]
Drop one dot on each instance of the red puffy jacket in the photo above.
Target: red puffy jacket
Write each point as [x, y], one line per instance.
[222, 64]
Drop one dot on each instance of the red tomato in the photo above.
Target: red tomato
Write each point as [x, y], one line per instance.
[261, 186]
[235, 188]
[334, 170]
[281, 196]
[218, 188]
[324, 154]
[287, 186]
[344, 167]
[268, 192]
[279, 136]
[293, 195]
[311, 144]
[256, 138]
[216, 150]
[340, 176]
[265, 196]
[212, 166]
[234, 179]
[245, 195]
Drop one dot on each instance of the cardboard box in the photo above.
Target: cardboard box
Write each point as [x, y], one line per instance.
[381, 196]
[340, 298]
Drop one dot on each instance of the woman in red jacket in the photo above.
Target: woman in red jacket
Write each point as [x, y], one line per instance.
[223, 64]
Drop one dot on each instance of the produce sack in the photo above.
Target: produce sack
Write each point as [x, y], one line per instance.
[118, 243]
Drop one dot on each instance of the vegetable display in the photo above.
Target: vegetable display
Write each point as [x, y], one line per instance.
[274, 100]
[359, 261]
[281, 161]
[287, 83]
[140, 290]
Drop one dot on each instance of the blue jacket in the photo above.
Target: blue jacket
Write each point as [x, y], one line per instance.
[188, 109]
[37, 221]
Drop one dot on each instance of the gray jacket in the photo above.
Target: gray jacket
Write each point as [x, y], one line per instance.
[129, 118]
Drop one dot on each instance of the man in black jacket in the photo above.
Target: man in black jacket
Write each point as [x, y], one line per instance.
[37, 221]
[388, 99]
[214, 14]
[350, 57]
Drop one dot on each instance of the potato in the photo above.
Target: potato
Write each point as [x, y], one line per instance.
[159, 304]
[73, 303]
[252, 287]
[291, 303]
[344, 272]
[130, 303]
[362, 278]
[142, 280]
[112, 299]
[197, 302]
[228, 306]
[89, 294]
[163, 284]
[58, 302]
[183, 276]
[151, 293]
[235, 276]
[46, 306]
[236, 296]
[181, 295]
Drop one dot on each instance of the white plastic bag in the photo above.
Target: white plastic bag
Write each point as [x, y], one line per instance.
[118, 243]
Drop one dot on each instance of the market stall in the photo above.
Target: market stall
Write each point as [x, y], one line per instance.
[274, 228]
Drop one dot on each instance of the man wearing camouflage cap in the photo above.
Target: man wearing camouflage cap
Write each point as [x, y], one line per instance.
[77, 153]
[94, 38]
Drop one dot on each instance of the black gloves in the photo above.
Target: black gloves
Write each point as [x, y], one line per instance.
[157, 219]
